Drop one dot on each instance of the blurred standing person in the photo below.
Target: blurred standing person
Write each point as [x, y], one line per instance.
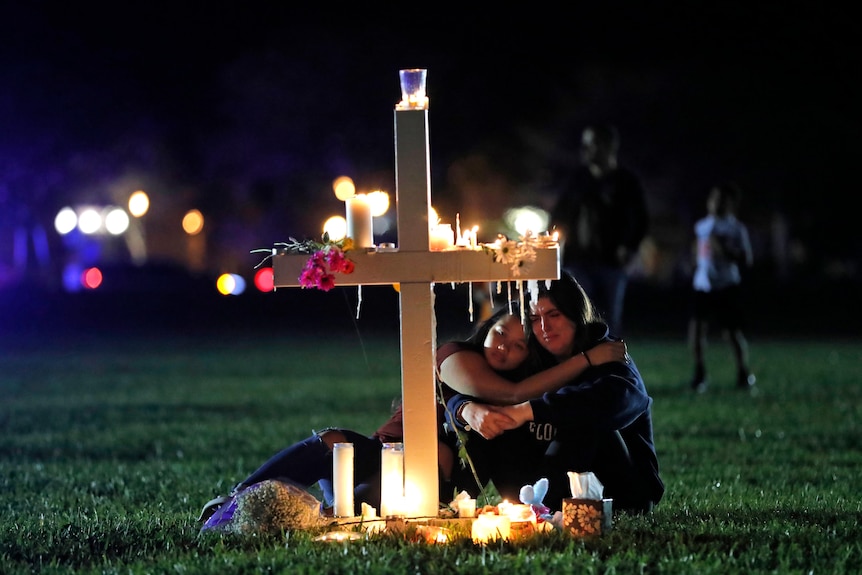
[722, 249]
[602, 215]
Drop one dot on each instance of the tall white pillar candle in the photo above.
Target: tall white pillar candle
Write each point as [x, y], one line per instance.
[342, 479]
[359, 224]
[392, 479]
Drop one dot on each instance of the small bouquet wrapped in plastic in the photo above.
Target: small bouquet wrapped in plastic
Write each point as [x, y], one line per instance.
[270, 506]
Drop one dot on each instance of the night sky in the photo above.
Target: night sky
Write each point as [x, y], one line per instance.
[250, 109]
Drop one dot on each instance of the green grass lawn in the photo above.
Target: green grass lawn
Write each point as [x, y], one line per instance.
[110, 445]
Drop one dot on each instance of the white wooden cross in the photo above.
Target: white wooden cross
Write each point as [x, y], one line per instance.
[417, 269]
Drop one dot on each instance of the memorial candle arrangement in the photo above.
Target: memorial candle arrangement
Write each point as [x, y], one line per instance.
[342, 475]
[419, 479]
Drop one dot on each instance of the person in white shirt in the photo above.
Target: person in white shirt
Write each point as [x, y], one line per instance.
[723, 250]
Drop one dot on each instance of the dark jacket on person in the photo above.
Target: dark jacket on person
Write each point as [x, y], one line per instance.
[598, 215]
[600, 421]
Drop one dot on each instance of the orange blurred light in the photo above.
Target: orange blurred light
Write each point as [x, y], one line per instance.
[193, 222]
[344, 188]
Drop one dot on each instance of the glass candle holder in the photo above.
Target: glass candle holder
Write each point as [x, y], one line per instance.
[413, 89]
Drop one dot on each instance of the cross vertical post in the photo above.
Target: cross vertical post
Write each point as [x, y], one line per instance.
[418, 332]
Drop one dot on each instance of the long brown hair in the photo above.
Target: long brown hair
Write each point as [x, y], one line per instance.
[574, 303]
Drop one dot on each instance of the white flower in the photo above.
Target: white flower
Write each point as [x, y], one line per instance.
[515, 254]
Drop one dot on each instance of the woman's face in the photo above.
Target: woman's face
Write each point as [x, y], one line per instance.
[553, 330]
[505, 346]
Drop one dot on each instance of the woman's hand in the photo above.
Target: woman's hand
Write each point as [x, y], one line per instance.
[520, 413]
[609, 351]
[487, 420]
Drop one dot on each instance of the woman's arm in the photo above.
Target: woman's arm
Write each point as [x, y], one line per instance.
[486, 420]
[468, 372]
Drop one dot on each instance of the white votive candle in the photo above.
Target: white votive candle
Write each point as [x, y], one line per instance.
[392, 479]
[466, 508]
[342, 479]
[359, 223]
[490, 527]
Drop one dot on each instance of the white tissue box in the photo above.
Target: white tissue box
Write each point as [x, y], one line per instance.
[587, 517]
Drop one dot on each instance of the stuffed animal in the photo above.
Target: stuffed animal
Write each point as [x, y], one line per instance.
[533, 495]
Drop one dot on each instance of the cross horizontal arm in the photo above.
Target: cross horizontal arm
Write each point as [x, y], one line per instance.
[380, 268]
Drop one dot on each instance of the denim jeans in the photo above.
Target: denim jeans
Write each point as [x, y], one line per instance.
[310, 461]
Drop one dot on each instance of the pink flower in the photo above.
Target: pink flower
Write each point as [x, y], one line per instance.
[306, 280]
[317, 272]
[335, 258]
[327, 282]
[318, 259]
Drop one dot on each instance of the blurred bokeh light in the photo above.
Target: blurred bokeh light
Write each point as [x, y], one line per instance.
[65, 221]
[193, 222]
[230, 284]
[89, 221]
[263, 279]
[91, 278]
[379, 201]
[344, 188]
[527, 218]
[336, 227]
[139, 203]
[116, 221]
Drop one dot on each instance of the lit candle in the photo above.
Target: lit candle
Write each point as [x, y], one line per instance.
[522, 520]
[368, 512]
[441, 237]
[489, 527]
[413, 89]
[392, 479]
[359, 224]
[339, 536]
[466, 508]
[547, 239]
[461, 240]
[342, 478]
[432, 534]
